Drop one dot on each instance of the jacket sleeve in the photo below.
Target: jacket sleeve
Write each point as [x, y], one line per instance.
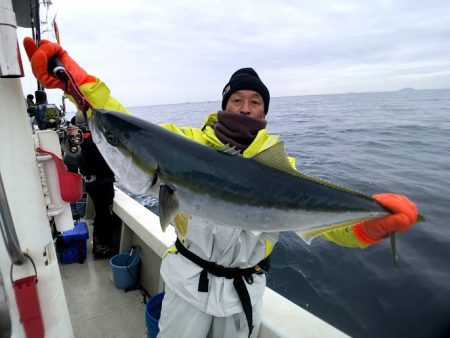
[99, 95]
[192, 133]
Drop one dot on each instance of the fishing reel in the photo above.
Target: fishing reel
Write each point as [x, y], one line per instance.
[46, 115]
[71, 140]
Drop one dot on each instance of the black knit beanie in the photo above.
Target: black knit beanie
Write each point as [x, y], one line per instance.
[245, 78]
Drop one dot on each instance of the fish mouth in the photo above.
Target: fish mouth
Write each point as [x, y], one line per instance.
[134, 174]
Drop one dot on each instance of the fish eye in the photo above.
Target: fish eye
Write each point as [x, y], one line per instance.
[111, 139]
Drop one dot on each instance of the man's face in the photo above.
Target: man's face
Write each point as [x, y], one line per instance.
[246, 102]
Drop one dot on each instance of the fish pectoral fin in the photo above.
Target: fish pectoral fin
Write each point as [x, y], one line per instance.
[168, 205]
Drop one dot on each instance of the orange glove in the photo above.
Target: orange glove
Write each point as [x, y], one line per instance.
[39, 58]
[403, 218]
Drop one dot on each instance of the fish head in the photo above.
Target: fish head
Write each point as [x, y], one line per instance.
[117, 139]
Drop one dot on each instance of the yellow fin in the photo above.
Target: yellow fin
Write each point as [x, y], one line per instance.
[181, 222]
[309, 235]
[275, 157]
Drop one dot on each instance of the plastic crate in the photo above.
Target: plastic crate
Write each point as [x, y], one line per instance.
[73, 244]
[78, 208]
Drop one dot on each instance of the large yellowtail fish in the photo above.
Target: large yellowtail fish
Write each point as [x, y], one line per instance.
[261, 193]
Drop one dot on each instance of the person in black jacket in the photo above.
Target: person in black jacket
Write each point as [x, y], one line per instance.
[99, 184]
[29, 100]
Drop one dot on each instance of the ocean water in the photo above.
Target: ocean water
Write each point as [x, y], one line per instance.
[373, 142]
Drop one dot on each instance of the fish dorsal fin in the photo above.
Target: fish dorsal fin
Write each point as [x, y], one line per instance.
[168, 206]
[332, 185]
[230, 150]
[275, 157]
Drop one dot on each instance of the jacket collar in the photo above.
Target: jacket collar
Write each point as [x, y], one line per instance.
[262, 141]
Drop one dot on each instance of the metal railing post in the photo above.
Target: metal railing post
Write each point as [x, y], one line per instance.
[7, 229]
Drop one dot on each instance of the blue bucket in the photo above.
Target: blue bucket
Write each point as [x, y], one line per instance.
[152, 314]
[125, 268]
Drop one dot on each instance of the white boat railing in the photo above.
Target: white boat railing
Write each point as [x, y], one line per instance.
[280, 317]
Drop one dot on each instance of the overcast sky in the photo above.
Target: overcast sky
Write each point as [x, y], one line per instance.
[158, 52]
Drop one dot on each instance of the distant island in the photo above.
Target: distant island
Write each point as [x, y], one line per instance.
[407, 90]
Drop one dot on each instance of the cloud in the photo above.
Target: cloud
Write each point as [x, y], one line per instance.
[156, 52]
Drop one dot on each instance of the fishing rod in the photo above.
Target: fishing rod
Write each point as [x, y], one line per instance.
[36, 30]
[35, 15]
[46, 115]
[57, 69]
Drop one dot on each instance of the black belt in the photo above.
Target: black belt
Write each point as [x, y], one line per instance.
[238, 275]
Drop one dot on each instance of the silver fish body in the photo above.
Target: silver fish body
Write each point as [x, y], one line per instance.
[262, 193]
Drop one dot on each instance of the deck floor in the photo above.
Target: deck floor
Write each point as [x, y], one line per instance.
[96, 307]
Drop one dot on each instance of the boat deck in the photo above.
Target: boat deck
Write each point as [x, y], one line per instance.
[96, 307]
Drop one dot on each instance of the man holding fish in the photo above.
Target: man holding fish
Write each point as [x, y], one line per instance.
[228, 201]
